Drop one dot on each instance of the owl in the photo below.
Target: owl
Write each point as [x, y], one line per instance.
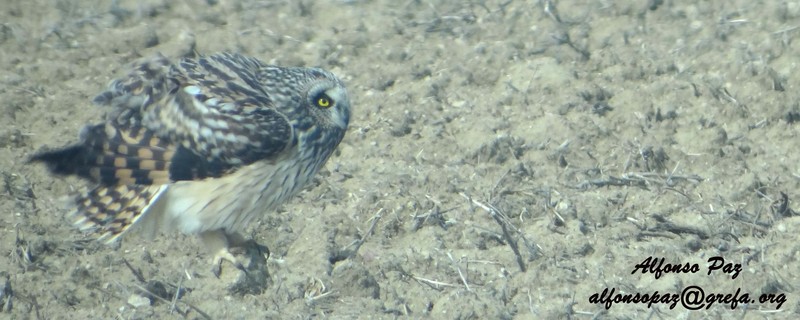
[201, 146]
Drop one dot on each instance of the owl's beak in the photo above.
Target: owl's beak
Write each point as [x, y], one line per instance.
[340, 115]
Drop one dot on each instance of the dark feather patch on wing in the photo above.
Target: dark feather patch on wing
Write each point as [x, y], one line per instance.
[62, 161]
[187, 165]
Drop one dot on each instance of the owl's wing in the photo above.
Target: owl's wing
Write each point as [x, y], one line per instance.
[197, 119]
[218, 116]
[190, 121]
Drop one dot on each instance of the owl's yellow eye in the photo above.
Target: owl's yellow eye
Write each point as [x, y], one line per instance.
[323, 101]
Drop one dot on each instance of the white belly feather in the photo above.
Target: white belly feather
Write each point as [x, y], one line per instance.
[229, 202]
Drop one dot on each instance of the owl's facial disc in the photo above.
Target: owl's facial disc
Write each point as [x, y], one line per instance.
[331, 98]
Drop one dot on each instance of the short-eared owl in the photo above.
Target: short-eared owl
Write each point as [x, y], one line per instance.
[202, 146]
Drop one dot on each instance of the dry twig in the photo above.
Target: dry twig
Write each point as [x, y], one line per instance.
[460, 274]
[502, 220]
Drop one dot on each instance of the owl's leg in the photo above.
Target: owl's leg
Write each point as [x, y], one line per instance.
[219, 244]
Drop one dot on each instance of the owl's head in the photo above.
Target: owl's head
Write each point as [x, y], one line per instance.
[327, 99]
[313, 100]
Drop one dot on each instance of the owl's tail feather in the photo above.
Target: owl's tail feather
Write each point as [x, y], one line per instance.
[107, 212]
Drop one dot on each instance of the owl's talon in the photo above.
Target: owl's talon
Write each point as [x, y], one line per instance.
[224, 255]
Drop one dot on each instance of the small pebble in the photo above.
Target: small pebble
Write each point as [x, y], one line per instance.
[136, 301]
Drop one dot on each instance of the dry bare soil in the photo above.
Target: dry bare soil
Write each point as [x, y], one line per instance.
[506, 160]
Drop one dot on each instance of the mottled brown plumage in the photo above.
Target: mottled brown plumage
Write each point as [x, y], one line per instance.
[202, 145]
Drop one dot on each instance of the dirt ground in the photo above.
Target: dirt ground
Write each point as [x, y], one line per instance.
[506, 160]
